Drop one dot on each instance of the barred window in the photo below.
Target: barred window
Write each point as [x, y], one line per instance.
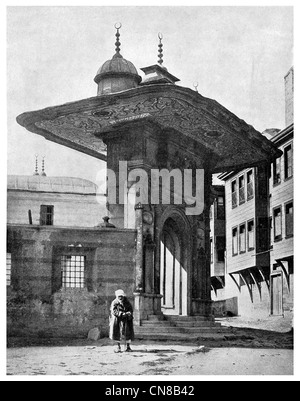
[73, 271]
[8, 269]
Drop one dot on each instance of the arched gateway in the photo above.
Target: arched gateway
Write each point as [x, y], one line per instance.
[173, 276]
[175, 263]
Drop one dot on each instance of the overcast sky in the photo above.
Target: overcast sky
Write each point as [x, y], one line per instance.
[238, 55]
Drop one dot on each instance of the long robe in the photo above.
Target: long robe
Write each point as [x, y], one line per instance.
[121, 326]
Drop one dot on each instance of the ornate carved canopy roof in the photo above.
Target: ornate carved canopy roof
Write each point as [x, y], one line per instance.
[79, 125]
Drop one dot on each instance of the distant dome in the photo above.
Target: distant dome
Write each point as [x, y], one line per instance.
[116, 75]
[270, 132]
[35, 183]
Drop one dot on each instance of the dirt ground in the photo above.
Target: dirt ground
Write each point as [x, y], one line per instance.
[272, 323]
[148, 359]
[257, 348]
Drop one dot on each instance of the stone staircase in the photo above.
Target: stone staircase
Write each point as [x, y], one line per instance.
[180, 328]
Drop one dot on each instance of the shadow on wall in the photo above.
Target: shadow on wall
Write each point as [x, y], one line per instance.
[226, 307]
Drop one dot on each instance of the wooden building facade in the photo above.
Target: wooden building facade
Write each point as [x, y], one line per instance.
[259, 263]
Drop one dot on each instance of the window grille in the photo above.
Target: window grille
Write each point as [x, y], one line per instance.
[73, 271]
[8, 269]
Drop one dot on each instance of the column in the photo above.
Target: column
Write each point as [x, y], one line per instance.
[139, 304]
[201, 302]
[206, 270]
[139, 264]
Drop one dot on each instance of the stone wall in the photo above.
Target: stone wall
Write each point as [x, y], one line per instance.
[38, 305]
[226, 307]
[70, 210]
[240, 302]
[289, 97]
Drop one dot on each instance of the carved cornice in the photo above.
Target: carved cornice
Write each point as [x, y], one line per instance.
[82, 124]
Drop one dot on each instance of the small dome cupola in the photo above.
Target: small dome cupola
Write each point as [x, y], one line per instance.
[117, 74]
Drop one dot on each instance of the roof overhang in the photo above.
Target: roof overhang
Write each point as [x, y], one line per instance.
[80, 125]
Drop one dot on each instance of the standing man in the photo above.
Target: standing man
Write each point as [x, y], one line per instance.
[121, 321]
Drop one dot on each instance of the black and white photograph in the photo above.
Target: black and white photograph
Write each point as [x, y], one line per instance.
[149, 194]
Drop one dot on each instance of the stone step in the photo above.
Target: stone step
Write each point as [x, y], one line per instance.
[176, 318]
[196, 324]
[158, 323]
[139, 335]
[173, 329]
[156, 317]
[166, 323]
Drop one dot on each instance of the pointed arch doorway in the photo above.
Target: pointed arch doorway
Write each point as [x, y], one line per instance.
[173, 270]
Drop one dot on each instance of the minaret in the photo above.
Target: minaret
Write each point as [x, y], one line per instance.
[36, 166]
[160, 50]
[43, 168]
[118, 43]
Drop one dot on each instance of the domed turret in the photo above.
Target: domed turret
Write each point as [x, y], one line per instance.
[117, 74]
